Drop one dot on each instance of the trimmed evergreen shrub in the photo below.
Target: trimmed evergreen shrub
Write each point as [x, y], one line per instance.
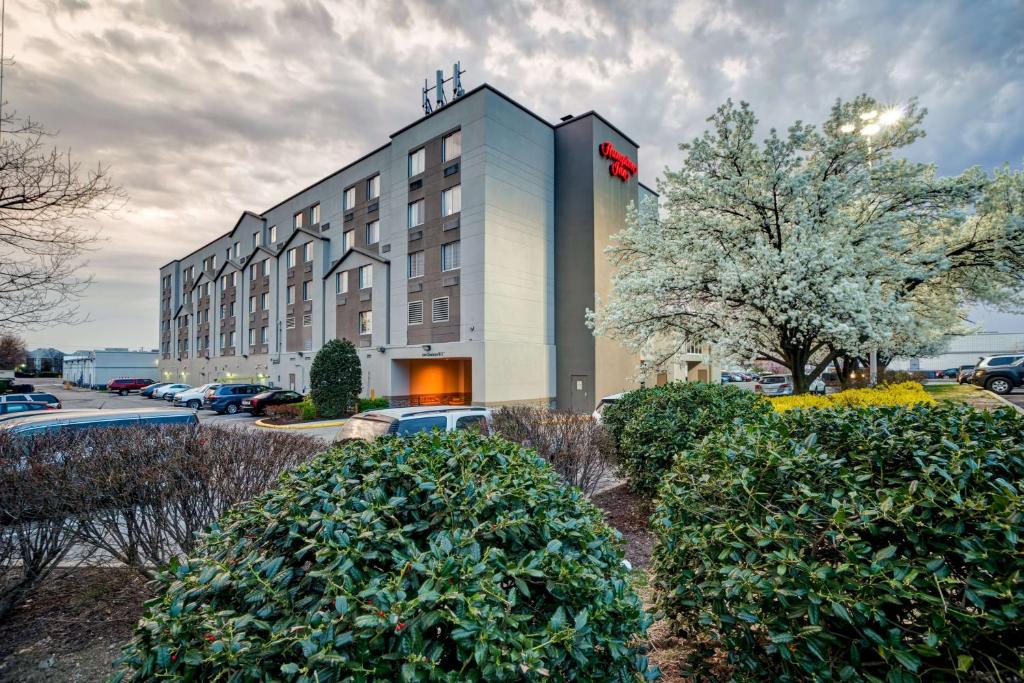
[335, 378]
[440, 557]
[652, 425]
[852, 544]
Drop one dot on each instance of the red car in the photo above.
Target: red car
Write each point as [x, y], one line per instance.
[274, 397]
[123, 385]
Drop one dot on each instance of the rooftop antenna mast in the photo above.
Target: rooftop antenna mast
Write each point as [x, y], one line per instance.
[438, 88]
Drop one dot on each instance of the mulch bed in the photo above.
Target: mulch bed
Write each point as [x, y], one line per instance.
[629, 513]
[73, 627]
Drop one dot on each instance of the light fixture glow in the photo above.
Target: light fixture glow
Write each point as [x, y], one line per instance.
[847, 128]
[868, 115]
[890, 116]
[870, 129]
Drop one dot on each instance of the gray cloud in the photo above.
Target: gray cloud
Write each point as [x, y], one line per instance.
[206, 108]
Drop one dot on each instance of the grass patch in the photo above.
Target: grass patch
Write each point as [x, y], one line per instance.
[963, 393]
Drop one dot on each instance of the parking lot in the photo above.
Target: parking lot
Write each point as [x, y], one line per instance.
[84, 398]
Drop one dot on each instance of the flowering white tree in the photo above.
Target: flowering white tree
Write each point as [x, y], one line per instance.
[809, 245]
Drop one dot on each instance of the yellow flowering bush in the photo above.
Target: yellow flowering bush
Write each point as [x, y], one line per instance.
[901, 394]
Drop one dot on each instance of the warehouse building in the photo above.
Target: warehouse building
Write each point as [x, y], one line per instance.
[459, 257]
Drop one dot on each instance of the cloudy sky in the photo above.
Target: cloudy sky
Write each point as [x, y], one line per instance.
[205, 108]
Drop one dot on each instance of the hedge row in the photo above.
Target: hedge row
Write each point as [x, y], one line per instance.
[439, 557]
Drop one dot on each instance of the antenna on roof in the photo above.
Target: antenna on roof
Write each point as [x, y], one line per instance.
[438, 88]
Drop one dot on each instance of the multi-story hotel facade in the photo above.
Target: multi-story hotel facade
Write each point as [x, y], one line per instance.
[459, 258]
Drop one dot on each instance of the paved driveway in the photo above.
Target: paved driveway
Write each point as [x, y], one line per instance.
[1016, 398]
[83, 398]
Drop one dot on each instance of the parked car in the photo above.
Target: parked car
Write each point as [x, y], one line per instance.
[371, 424]
[227, 398]
[160, 392]
[603, 404]
[986, 362]
[948, 373]
[123, 385]
[148, 391]
[275, 397]
[964, 374]
[48, 399]
[774, 385]
[16, 408]
[1000, 379]
[193, 398]
[49, 420]
[730, 377]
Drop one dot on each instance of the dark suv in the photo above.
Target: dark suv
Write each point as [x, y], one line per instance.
[123, 385]
[1000, 379]
[227, 398]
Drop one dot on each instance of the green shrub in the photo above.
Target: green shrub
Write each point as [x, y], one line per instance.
[335, 378]
[852, 544]
[652, 425]
[372, 404]
[307, 409]
[442, 557]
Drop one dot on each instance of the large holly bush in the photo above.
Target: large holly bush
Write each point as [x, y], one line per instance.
[443, 557]
[335, 378]
[852, 544]
[652, 425]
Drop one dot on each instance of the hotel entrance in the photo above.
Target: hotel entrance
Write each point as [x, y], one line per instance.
[431, 382]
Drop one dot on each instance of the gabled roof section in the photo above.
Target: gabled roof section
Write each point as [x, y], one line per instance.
[227, 264]
[295, 232]
[262, 248]
[177, 311]
[198, 280]
[246, 214]
[355, 250]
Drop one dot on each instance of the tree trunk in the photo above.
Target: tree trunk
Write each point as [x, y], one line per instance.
[845, 365]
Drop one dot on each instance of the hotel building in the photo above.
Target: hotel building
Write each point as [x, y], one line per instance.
[459, 258]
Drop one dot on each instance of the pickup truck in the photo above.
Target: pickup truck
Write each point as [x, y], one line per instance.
[1001, 379]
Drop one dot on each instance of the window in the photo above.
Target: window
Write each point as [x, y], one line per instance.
[206, 263]
[213, 262]
[416, 261]
[273, 234]
[297, 220]
[231, 338]
[348, 240]
[365, 277]
[252, 304]
[252, 336]
[307, 320]
[365, 322]
[290, 294]
[256, 241]
[254, 271]
[266, 266]
[373, 232]
[415, 312]
[223, 340]
[265, 301]
[264, 335]
[451, 200]
[450, 256]
[231, 309]
[341, 282]
[452, 146]
[290, 257]
[373, 187]
[439, 310]
[223, 283]
[289, 322]
[307, 252]
[474, 422]
[307, 291]
[238, 249]
[350, 198]
[416, 213]
[422, 424]
[417, 161]
[314, 215]
[233, 279]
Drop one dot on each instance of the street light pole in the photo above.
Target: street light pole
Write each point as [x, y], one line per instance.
[872, 123]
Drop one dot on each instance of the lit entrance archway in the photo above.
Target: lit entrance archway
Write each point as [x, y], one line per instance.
[432, 381]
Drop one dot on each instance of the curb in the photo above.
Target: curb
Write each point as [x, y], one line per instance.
[1004, 401]
[302, 425]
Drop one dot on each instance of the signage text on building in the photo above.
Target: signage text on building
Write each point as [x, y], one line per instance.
[622, 167]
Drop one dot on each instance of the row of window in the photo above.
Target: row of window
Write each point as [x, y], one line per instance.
[451, 203]
[365, 274]
[450, 260]
[372, 187]
[451, 148]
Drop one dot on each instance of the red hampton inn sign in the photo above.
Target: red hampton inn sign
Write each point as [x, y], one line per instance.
[622, 167]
